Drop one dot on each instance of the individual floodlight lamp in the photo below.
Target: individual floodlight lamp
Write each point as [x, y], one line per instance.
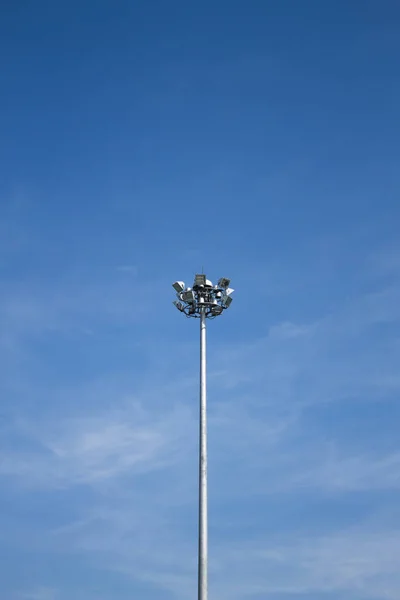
[203, 301]
[199, 280]
[188, 296]
[227, 301]
[224, 282]
[178, 286]
[179, 305]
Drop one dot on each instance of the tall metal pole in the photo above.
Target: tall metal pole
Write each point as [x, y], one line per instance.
[203, 528]
[203, 301]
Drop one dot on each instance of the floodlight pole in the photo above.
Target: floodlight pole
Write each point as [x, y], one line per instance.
[203, 508]
[203, 301]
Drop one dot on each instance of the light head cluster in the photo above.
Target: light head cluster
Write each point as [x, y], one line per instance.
[203, 296]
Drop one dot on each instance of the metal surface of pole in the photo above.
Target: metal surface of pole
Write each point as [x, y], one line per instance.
[203, 508]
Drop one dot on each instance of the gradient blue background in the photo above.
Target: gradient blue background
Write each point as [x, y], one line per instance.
[142, 141]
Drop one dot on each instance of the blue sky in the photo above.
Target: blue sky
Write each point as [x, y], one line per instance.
[141, 141]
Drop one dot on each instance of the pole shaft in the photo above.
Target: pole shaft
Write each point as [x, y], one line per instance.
[203, 527]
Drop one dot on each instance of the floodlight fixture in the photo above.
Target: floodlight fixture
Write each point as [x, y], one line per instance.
[204, 296]
[179, 306]
[224, 282]
[200, 280]
[179, 286]
[204, 301]
[188, 296]
[227, 301]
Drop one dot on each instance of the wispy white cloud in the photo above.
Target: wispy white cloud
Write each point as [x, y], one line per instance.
[139, 457]
[93, 449]
[69, 304]
[40, 593]
[360, 562]
[351, 473]
[270, 381]
[150, 545]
